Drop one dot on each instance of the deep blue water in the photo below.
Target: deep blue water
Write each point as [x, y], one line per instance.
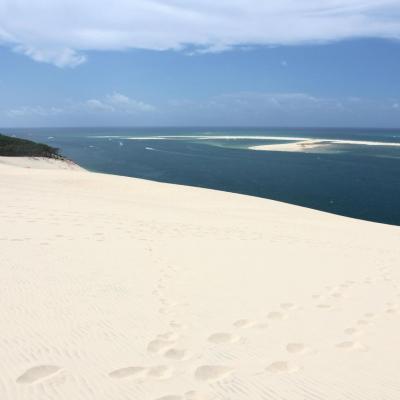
[356, 180]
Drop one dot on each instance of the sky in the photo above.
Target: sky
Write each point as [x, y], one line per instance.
[200, 63]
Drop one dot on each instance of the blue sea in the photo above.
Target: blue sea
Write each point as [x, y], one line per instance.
[347, 176]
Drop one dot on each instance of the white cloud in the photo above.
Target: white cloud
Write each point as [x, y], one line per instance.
[124, 103]
[59, 57]
[60, 32]
[97, 105]
[118, 102]
[270, 102]
[243, 108]
[279, 109]
[115, 103]
[26, 111]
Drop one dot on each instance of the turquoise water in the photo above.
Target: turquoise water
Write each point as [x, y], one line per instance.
[359, 178]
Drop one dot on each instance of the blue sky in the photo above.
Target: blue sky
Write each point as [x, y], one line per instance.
[194, 64]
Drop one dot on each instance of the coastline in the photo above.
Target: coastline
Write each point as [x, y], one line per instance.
[124, 287]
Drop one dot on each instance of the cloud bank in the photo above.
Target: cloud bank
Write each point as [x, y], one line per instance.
[241, 109]
[116, 104]
[61, 32]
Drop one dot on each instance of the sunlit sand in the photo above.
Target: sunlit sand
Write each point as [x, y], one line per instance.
[121, 288]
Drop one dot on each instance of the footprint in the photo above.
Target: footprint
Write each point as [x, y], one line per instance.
[244, 323]
[223, 337]
[282, 367]
[296, 348]
[193, 395]
[39, 373]
[212, 373]
[276, 315]
[129, 372]
[176, 354]
[160, 372]
[157, 346]
[352, 331]
[352, 346]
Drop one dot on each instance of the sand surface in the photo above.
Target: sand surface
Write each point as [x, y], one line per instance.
[115, 288]
[303, 145]
[39, 163]
[315, 145]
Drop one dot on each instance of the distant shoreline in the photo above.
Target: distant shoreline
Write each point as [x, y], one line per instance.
[11, 146]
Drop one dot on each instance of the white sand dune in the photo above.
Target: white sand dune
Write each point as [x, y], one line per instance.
[39, 163]
[115, 288]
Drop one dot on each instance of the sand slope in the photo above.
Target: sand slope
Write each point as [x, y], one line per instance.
[115, 288]
[39, 163]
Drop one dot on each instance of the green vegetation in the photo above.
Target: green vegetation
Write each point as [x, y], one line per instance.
[14, 147]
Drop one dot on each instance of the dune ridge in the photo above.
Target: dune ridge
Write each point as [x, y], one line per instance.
[121, 288]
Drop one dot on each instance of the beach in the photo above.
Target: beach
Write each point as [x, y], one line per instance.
[316, 145]
[120, 288]
[302, 145]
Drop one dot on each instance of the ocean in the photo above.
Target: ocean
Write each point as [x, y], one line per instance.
[357, 175]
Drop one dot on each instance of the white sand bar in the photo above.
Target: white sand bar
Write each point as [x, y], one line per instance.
[311, 145]
[115, 288]
[302, 145]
